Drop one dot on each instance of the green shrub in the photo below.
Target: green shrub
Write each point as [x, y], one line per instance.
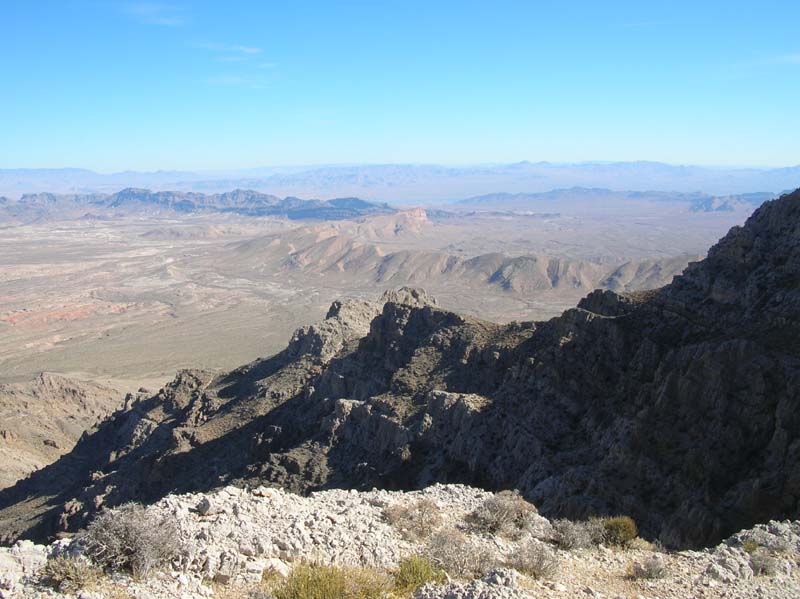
[314, 581]
[413, 572]
[69, 575]
[619, 530]
[750, 546]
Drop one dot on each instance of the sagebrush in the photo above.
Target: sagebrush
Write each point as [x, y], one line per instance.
[459, 556]
[415, 522]
[571, 534]
[69, 574]
[649, 568]
[506, 513]
[763, 563]
[130, 538]
[535, 559]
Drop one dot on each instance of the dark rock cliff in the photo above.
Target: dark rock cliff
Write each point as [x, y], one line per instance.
[678, 406]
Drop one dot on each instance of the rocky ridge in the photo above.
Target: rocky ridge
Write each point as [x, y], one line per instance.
[677, 406]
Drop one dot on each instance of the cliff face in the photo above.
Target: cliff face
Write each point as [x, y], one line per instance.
[678, 407]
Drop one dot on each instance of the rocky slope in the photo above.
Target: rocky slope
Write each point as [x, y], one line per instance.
[44, 418]
[232, 538]
[678, 406]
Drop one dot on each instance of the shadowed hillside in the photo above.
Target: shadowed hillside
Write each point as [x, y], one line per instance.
[677, 406]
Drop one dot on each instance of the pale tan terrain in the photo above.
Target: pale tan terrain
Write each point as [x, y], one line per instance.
[129, 302]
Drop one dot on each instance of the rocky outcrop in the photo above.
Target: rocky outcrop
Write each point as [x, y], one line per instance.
[678, 407]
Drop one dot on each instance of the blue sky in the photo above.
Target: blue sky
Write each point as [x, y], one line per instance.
[221, 85]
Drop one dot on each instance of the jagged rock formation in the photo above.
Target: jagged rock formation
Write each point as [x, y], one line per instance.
[678, 406]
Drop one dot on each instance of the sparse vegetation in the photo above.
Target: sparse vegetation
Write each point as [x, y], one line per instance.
[750, 546]
[129, 538]
[534, 559]
[641, 544]
[69, 575]
[619, 530]
[573, 535]
[649, 568]
[315, 581]
[506, 514]
[413, 572]
[459, 556]
[763, 563]
[415, 522]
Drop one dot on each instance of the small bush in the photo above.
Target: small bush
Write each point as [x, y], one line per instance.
[619, 530]
[413, 572]
[314, 581]
[69, 575]
[641, 544]
[534, 559]
[505, 513]
[650, 568]
[572, 535]
[415, 522]
[457, 555]
[750, 546]
[763, 564]
[130, 538]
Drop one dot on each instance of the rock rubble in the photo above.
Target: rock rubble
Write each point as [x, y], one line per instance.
[232, 538]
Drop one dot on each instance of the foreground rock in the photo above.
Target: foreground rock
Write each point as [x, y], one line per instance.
[239, 536]
[679, 407]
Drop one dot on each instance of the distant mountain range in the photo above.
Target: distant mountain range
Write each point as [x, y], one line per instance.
[143, 202]
[146, 203]
[415, 182]
[697, 201]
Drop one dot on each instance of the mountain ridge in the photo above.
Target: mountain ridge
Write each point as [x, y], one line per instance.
[143, 202]
[677, 406]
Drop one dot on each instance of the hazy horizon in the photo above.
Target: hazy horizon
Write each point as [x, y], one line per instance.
[441, 163]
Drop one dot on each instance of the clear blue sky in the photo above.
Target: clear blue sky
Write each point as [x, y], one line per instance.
[219, 85]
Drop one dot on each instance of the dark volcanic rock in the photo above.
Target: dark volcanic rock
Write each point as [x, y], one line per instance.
[678, 407]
